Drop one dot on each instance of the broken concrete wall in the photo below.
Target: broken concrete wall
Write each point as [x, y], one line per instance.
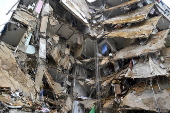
[25, 17]
[13, 35]
[68, 65]
[153, 97]
[12, 76]
[74, 7]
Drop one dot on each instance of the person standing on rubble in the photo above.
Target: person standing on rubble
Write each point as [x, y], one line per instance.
[41, 94]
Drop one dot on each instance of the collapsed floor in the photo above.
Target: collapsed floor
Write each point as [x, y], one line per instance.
[58, 58]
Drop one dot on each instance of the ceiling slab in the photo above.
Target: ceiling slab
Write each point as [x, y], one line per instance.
[122, 5]
[156, 43]
[141, 30]
[132, 17]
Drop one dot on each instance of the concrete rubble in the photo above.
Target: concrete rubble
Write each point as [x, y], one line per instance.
[85, 56]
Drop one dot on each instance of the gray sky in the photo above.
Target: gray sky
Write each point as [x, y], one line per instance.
[167, 2]
[5, 6]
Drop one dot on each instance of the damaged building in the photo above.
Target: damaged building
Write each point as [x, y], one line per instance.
[85, 56]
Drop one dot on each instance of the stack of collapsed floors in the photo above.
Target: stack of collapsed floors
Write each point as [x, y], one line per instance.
[72, 60]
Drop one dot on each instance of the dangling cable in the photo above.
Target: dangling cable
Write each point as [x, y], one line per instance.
[156, 102]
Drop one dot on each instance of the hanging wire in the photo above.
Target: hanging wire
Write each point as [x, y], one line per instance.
[97, 73]
[12, 7]
[156, 102]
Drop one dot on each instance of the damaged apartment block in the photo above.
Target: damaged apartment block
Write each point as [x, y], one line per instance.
[85, 56]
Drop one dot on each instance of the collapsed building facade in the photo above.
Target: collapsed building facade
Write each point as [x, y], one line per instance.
[71, 56]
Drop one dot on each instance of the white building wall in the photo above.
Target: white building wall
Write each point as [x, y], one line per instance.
[164, 9]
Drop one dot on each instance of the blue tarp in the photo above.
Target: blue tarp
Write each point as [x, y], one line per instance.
[104, 48]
